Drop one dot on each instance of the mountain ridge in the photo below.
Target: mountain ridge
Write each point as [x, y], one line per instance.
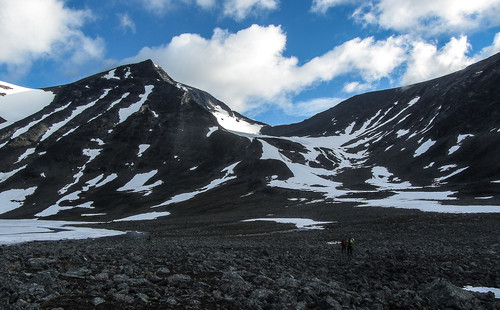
[132, 140]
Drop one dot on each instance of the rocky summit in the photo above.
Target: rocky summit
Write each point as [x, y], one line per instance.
[224, 212]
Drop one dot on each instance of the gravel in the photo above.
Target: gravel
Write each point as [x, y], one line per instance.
[402, 259]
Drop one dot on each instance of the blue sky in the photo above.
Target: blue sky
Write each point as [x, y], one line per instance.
[276, 61]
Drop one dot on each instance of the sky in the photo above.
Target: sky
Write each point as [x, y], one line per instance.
[276, 61]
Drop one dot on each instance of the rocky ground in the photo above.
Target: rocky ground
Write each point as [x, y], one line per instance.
[402, 260]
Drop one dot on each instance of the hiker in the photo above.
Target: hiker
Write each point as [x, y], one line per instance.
[344, 245]
[350, 241]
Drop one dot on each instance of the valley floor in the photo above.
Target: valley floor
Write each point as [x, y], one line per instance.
[403, 259]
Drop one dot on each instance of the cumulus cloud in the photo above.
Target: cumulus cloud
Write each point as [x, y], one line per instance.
[126, 23]
[236, 9]
[239, 9]
[321, 6]
[160, 6]
[206, 4]
[355, 87]
[430, 16]
[34, 29]
[248, 68]
[311, 107]
[368, 57]
[492, 49]
[426, 61]
[235, 67]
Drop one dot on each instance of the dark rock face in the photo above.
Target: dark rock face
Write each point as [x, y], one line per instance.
[104, 140]
[458, 110]
[122, 142]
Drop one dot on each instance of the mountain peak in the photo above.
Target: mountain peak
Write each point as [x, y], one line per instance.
[130, 139]
[143, 69]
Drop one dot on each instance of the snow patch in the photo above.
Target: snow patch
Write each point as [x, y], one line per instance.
[137, 184]
[93, 214]
[25, 129]
[413, 101]
[18, 231]
[484, 197]
[4, 176]
[92, 154]
[99, 141]
[143, 216]
[482, 289]
[14, 198]
[75, 113]
[402, 132]
[54, 209]
[429, 165]
[128, 73]
[233, 123]
[461, 138]
[108, 179]
[229, 171]
[441, 179]
[111, 75]
[453, 149]
[426, 201]
[9, 89]
[211, 130]
[142, 149]
[382, 178]
[27, 153]
[125, 113]
[424, 147]
[20, 105]
[301, 223]
[447, 167]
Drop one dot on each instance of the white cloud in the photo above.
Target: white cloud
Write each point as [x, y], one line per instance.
[426, 61]
[371, 59]
[321, 6]
[431, 16]
[239, 9]
[157, 6]
[34, 29]
[492, 49]
[311, 107]
[355, 87]
[126, 23]
[235, 67]
[247, 69]
[206, 4]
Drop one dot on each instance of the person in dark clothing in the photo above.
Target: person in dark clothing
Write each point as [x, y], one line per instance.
[350, 241]
[344, 246]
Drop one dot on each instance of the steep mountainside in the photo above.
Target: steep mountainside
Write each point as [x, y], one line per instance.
[443, 130]
[133, 141]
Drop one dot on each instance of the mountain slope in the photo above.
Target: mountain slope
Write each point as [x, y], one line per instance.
[132, 141]
[114, 140]
[443, 130]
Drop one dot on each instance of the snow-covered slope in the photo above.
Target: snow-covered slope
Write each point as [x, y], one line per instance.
[133, 141]
[17, 103]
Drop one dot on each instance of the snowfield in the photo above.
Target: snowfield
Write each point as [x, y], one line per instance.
[23, 103]
[301, 223]
[18, 231]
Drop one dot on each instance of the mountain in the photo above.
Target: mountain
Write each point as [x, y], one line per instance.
[133, 141]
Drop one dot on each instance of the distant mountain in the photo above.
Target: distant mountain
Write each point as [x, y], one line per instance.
[132, 140]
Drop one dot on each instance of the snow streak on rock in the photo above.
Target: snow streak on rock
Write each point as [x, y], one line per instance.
[18, 106]
[125, 113]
